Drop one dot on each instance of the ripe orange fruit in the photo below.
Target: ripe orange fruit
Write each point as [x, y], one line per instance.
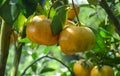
[76, 39]
[103, 71]
[81, 68]
[14, 37]
[39, 31]
[71, 12]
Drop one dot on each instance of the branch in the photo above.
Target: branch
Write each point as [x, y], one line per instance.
[52, 7]
[72, 74]
[112, 17]
[17, 56]
[78, 21]
[4, 46]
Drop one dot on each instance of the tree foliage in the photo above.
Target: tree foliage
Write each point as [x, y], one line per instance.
[103, 18]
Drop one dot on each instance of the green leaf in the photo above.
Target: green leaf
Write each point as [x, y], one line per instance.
[47, 49]
[118, 73]
[34, 68]
[64, 74]
[47, 69]
[104, 33]
[29, 7]
[116, 36]
[34, 55]
[52, 13]
[2, 2]
[24, 40]
[20, 21]
[100, 45]
[42, 2]
[59, 20]
[6, 12]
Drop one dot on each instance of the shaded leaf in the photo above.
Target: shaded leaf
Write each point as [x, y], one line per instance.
[8, 7]
[47, 69]
[59, 20]
[29, 7]
[34, 68]
[100, 45]
[42, 2]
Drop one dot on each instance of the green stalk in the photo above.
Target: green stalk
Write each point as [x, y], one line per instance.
[4, 46]
[17, 54]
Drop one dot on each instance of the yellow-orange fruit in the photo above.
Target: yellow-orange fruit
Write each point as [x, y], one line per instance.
[39, 31]
[71, 11]
[103, 71]
[80, 68]
[76, 39]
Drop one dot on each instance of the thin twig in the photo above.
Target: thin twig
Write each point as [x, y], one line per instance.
[46, 56]
[52, 7]
[76, 13]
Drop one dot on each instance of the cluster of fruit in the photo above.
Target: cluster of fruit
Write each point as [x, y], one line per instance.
[71, 39]
[81, 68]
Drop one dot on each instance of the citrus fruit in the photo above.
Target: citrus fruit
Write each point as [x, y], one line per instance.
[39, 31]
[102, 71]
[81, 68]
[71, 12]
[14, 37]
[74, 39]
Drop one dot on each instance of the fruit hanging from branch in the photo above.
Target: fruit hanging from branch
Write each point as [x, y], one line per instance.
[75, 39]
[39, 31]
[105, 70]
[71, 11]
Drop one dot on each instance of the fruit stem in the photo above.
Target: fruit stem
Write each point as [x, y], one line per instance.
[51, 8]
[47, 56]
[79, 24]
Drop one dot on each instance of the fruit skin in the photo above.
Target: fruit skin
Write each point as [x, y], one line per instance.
[103, 71]
[39, 31]
[80, 69]
[76, 39]
[71, 12]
